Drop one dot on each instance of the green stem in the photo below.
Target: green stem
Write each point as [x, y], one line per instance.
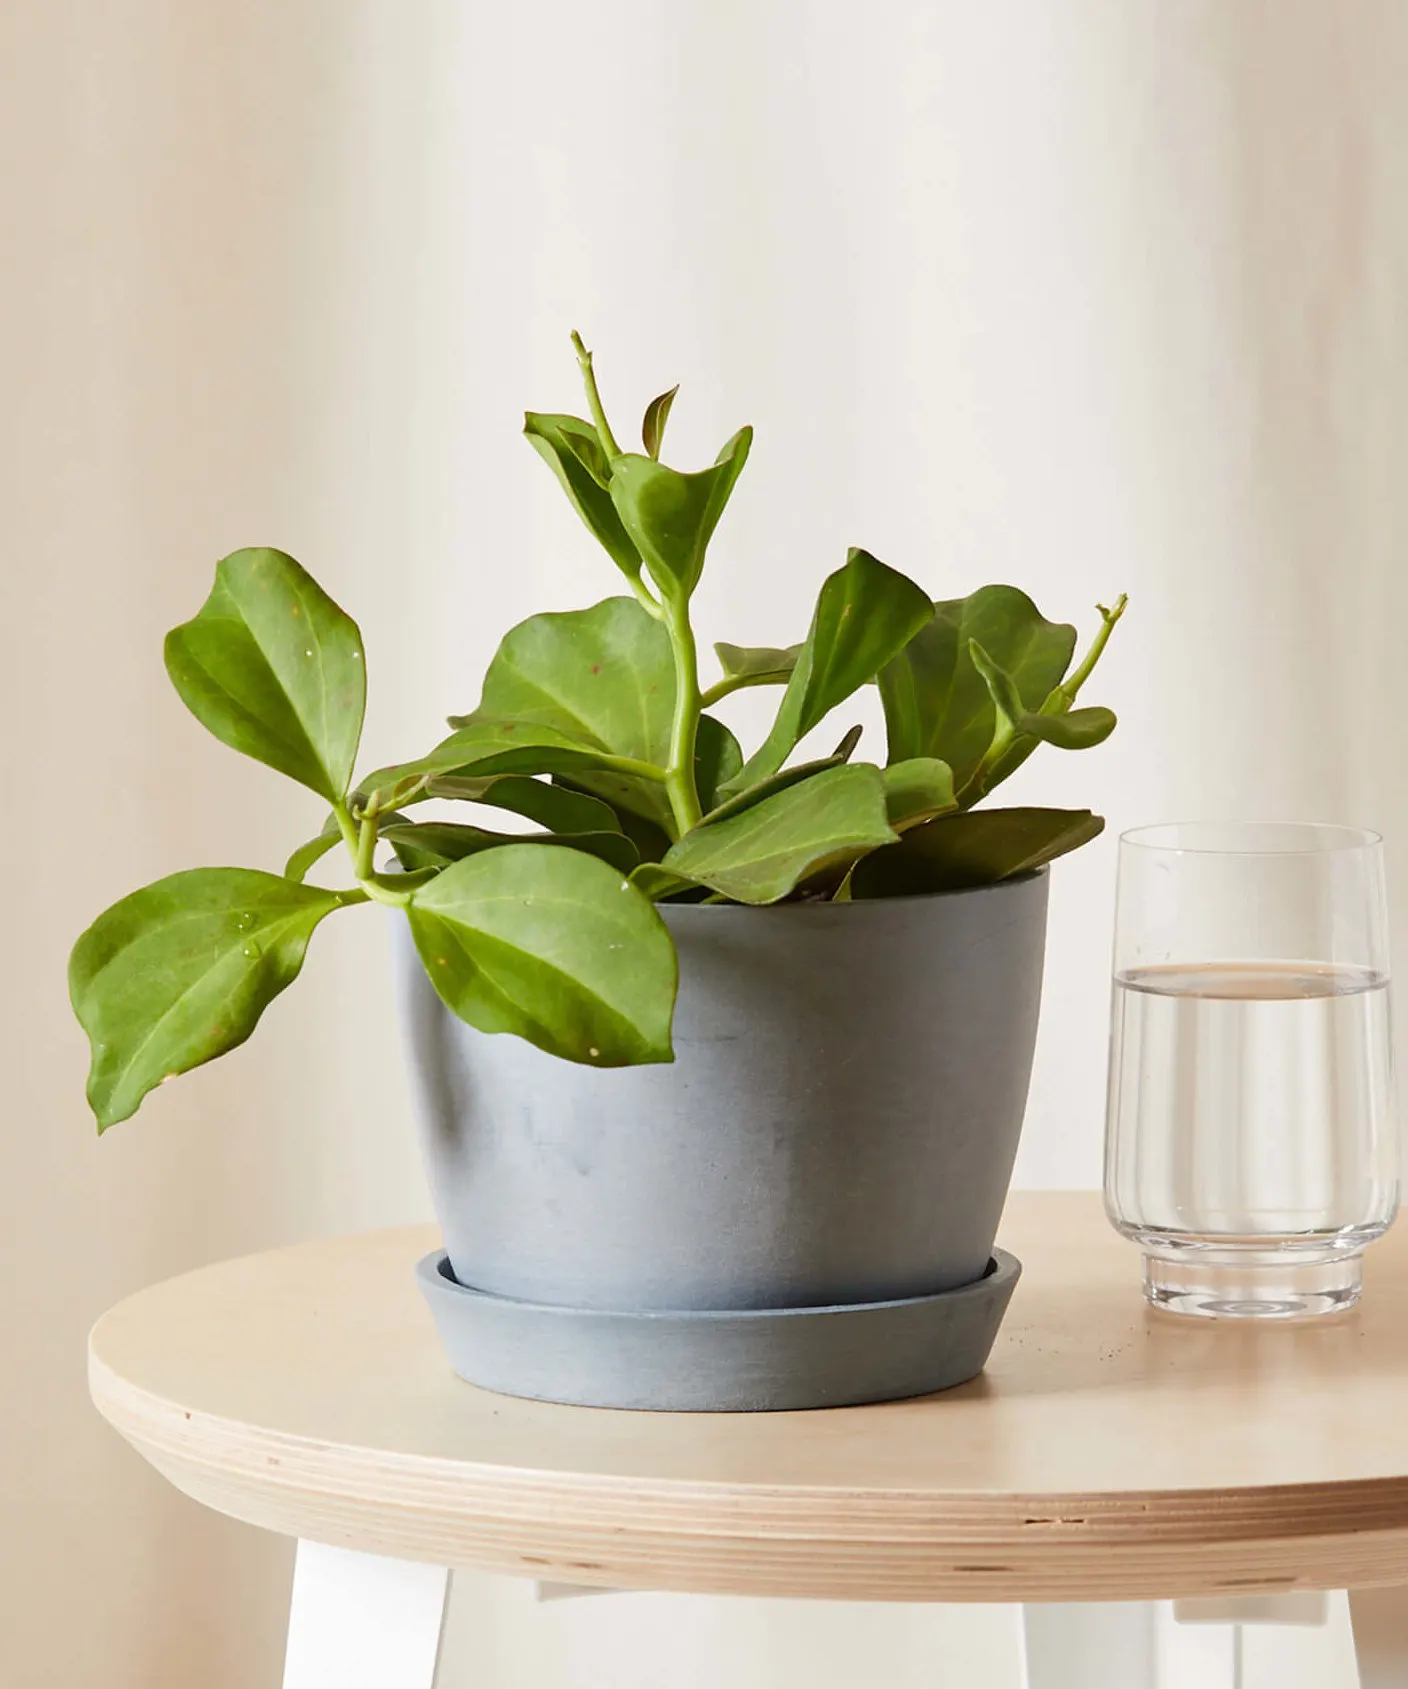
[680, 784]
[348, 828]
[361, 844]
[632, 765]
[975, 788]
[1078, 677]
[721, 689]
[603, 427]
[364, 863]
[379, 893]
[647, 598]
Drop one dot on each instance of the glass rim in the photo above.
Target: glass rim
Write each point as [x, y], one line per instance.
[1313, 838]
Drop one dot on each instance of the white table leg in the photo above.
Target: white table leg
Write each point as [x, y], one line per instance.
[1095, 1645]
[1203, 1654]
[1380, 1621]
[1127, 1645]
[359, 1621]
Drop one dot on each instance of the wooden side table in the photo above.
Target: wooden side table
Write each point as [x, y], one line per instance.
[1109, 1454]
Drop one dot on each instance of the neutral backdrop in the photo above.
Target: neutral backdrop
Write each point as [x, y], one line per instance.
[1087, 295]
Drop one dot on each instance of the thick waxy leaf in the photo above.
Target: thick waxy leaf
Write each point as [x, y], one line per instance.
[551, 806]
[757, 665]
[778, 782]
[762, 853]
[865, 614]
[1069, 730]
[917, 791]
[603, 677]
[649, 837]
[977, 847]
[671, 516]
[572, 449]
[274, 669]
[179, 972]
[717, 759]
[553, 945]
[658, 883]
[657, 414]
[297, 866]
[936, 702]
[849, 740]
[486, 746]
[435, 844]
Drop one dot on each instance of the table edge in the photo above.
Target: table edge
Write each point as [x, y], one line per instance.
[743, 1538]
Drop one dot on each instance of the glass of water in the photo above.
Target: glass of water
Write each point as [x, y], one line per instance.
[1251, 1146]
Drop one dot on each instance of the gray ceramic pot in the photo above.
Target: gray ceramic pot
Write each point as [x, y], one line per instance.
[837, 1129]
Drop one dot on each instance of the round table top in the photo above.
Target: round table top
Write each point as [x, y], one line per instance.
[1108, 1452]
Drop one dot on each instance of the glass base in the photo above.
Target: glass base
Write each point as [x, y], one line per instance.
[1280, 1283]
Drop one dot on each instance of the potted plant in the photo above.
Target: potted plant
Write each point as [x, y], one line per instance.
[780, 1189]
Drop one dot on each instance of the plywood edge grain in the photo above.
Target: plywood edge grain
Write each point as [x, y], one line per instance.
[714, 1537]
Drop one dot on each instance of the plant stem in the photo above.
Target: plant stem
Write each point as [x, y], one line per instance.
[348, 828]
[603, 427]
[361, 843]
[1081, 673]
[648, 600]
[633, 765]
[680, 784]
[364, 863]
[721, 689]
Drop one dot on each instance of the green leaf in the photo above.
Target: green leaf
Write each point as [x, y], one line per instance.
[572, 449]
[865, 614]
[604, 678]
[918, 790]
[671, 516]
[937, 703]
[763, 852]
[297, 866]
[487, 745]
[1068, 729]
[977, 847]
[757, 665]
[774, 783]
[553, 945]
[274, 669]
[1002, 689]
[657, 414]
[717, 759]
[849, 740]
[435, 844]
[658, 883]
[551, 806]
[649, 837]
[587, 450]
[180, 972]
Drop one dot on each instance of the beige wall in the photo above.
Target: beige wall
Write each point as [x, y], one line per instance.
[1087, 294]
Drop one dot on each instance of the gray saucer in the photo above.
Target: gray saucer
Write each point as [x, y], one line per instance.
[733, 1361]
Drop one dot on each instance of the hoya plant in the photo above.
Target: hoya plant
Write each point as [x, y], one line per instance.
[595, 727]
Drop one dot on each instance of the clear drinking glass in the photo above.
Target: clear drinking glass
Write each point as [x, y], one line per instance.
[1251, 1146]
